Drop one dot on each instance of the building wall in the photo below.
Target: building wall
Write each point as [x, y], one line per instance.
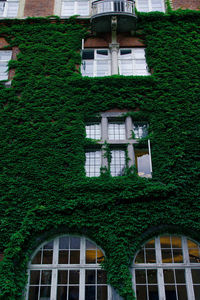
[185, 4]
[38, 8]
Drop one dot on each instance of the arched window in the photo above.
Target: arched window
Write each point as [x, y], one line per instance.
[167, 268]
[67, 268]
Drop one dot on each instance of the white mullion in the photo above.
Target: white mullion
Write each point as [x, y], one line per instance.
[54, 280]
[82, 284]
[160, 275]
[39, 285]
[75, 7]
[55, 251]
[150, 5]
[28, 284]
[188, 274]
[150, 162]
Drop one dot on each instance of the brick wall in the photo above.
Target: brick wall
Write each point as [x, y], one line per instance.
[3, 43]
[190, 4]
[36, 8]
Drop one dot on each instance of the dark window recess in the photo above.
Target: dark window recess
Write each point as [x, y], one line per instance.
[88, 54]
[102, 52]
[124, 52]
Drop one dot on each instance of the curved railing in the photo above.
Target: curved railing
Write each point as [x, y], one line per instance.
[113, 7]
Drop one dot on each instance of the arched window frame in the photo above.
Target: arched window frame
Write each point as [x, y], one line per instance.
[82, 267]
[160, 267]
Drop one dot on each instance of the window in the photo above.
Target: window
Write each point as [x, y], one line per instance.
[122, 135]
[67, 268]
[167, 268]
[97, 62]
[132, 62]
[5, 56]
[150, 5]
[9, 8]
[77, 7]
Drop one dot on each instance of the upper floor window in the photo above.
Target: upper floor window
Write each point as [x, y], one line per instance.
[97, 62]
[9, 8]
[150, 5]
[132, 62]
[168, 268]
[5, 56]
[76, 7]
[121, 135]
[67, 268]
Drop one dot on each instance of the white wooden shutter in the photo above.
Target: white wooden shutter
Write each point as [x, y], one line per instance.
[12, 9]
[125, 62]
[143, 5]
[87, 68]
[68, 8]
[157, 5]
[140, 66]
[102, 68]
[5, 56]
[2, 7]
[83, 8]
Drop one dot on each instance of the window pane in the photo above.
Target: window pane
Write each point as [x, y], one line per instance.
[197, 292]
[37, 258]
[153, 292]
[67, 8]
[140, 257]
[170, 292]
[34, 277]
[74, 243]
[46, 277]
[87, 68]
[117, 165]
[178, 256]
[61, 293]
[93, 131]
[73, 293]
[90, 293]
[165, 242]
[33, 293]
[196, 276]
[180, 276]
[152, 276]
[45, 292]
[176, 242]
[90, 245]
[90, 276]
[74, 257]
[93, 163]
[64, 243]
[140, 130]
[194, 255]
[168, 276]
[166, 256]
[87, 54]
[83, 8]
[150, 256]
[100, 256]
[182, 292]
[48, 245]
[102, 293]
[101, 277]
[116, 131]
[47, 257]
[74, 277]
[63, 257]
[90, 256]
[141, 291]
[140, 276]
[62, 276]
[142, 160]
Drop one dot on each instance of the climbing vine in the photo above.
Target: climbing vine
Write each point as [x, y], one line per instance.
[43, 185]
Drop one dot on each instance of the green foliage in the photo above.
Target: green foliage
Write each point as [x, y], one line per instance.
[43, 185]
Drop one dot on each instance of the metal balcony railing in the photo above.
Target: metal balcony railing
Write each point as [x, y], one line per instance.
[113, 7]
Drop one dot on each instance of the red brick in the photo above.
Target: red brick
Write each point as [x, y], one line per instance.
[186, 4]
[3, 43]
[37, 8]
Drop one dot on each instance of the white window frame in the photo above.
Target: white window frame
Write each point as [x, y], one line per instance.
[95, 61]
[149, 8]
[6, 8]
[125, 144]
[54, 267]
[133, 59]
[5, 74]
[160, 266]
[76, 8]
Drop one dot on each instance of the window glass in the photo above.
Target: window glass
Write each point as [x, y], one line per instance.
[64, 279]
[118, 162]
[5, 56]
[167, 269]
[142, 162]
[93, 163]
[116, 131]
[93, 131]
[77, 7]
[140, 130]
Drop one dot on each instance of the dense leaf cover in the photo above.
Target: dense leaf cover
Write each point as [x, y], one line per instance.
[44, 190]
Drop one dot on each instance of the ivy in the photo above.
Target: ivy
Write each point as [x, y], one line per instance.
[43, 185]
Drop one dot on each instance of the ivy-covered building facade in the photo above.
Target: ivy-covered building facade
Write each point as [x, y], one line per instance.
[99, 152]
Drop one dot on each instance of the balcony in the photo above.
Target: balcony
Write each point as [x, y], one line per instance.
[104, 10]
